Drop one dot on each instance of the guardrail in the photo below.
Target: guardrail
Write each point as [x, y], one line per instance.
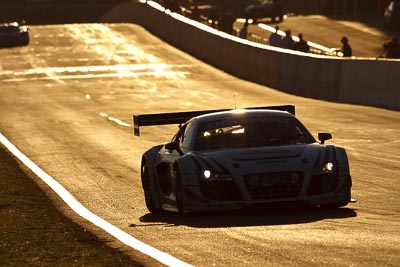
[363, 81]
[314, 47]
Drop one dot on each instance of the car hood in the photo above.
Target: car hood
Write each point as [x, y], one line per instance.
[265, 153]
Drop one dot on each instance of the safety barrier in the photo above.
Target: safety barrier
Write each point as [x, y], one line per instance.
[373, 82]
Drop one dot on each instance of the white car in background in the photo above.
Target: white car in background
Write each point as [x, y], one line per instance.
[13, 34]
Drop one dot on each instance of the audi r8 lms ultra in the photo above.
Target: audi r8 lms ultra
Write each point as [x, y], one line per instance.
[234, 159]
[13, 34]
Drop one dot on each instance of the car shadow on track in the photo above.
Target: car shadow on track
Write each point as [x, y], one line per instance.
[250, 217]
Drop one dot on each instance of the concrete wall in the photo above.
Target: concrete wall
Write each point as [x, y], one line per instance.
[371, 82]
[357, 81]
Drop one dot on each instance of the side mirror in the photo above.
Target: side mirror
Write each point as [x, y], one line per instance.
[174, 146]
[323, 137]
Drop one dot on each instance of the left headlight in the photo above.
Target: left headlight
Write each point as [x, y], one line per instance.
[327, 168]
[324, 179]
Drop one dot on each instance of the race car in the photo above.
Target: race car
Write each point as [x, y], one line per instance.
[264, 9]
[242, 158]
[13, 34]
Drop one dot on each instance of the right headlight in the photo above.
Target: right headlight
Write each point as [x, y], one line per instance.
[209, 175]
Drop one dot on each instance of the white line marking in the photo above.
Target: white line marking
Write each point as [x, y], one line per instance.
[180, 74]
[88, 215]
[117, 121]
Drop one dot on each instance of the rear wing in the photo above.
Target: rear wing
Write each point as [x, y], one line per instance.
[182, 117]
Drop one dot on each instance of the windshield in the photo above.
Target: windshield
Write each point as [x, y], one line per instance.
[9, 29]
[262, 2]
[266, 2]
[251, 132]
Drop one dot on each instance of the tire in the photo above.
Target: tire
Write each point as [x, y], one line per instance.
[25, 42]
[179, 196]
[147, 190]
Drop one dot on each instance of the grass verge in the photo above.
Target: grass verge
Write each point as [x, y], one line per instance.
[34, 233]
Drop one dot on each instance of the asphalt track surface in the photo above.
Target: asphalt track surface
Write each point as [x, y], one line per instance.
[67, 102]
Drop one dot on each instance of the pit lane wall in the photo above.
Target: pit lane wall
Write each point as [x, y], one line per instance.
[372, 82]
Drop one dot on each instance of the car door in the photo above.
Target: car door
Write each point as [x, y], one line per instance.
[166, 171]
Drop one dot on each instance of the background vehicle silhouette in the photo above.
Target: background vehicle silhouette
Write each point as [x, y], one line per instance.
[264, 9]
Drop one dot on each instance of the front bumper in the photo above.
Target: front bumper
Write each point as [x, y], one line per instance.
[195, 203]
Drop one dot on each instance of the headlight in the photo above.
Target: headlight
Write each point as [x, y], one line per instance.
[324, 179]
[209, 175]
[327, 168]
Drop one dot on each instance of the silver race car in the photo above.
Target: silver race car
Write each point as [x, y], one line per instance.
[233, 159]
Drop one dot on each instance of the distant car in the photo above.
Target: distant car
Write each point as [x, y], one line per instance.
[391, 14]
[234, 159]
[13, 34]
[264, 9]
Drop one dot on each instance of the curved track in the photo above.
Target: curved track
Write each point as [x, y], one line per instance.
[67, 102]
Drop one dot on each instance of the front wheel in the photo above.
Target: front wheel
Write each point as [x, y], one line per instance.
[147, 190]
[179, 196]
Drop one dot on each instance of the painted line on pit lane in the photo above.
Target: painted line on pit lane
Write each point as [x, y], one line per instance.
[117, 121]
[88, 215]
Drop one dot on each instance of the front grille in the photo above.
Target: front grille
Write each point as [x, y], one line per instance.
[220, 190]
[274, 185]
[322, 184]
